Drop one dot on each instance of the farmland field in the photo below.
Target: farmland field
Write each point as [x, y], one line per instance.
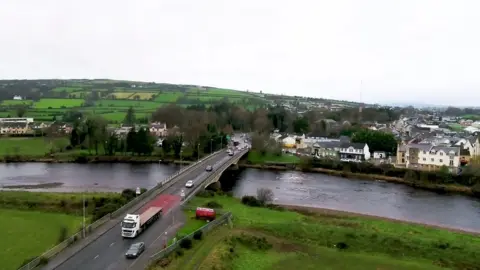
[28, 146]
[264, 238]
[46, 103]
[168, 97]
[142, 95]
[127, 103]
[122, 95]
[67, 89]
[16, 102]
[59, 97]
[28, 234]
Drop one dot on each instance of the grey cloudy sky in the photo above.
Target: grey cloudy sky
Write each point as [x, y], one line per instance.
[422, 51]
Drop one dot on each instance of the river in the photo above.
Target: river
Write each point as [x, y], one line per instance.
[290, 187]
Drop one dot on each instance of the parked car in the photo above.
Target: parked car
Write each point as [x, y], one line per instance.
[209, 168]
[135, 250]
[189, 184]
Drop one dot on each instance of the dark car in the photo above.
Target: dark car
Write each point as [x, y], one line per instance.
[209, 168]
[135, 250]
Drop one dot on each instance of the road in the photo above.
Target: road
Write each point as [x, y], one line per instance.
[107, 252]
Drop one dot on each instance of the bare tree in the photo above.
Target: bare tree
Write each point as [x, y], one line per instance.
[264, 195]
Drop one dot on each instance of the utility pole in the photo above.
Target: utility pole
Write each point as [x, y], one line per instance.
[211, 146]
[198, 152]
[84, 234]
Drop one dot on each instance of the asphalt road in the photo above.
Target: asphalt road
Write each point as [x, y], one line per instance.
[107, 252]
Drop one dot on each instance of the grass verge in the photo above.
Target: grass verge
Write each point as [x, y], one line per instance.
[255, 157]
[27, 234]
[266, 238]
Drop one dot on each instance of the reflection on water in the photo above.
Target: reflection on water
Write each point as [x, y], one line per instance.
[367, 197]
[297, 188]
[81, 177]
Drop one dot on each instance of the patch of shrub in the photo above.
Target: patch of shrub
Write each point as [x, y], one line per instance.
[186, 243]
[275, 207]
[341, 245]
[253, 242]
[198, 235]
[206, 194]
[179, 252]
[213, 204]
[62, 235]
[164, 262]
[251, 201]
[264, 195]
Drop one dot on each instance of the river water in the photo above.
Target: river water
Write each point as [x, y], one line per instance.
[296, 188]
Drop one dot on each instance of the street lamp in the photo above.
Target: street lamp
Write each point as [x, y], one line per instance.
[211, 146]
[198, 152]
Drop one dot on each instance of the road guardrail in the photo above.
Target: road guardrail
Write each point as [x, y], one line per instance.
[224, 219]
[160, 187]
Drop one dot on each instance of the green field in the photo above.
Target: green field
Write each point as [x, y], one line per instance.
[264, 238]
[16, 102]
[27, 234]
[126, 104]
[168, 97]
[145, 98]
[46, 103]
[29, 146]
[255, 157]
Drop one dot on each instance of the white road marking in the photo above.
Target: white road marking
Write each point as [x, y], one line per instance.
[160, 236]
[112, 244]
[96, 257]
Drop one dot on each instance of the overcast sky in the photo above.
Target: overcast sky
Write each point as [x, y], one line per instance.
[421, 51]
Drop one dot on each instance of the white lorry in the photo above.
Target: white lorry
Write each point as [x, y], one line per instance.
[133, 225]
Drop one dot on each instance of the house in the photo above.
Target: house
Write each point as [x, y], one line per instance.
[16, 120]
[122, 131]
[289, 142]
[158, 129]
[379, 155]
[17, 97]
[430, 157]
[355, 152]
[401, 156]
[328, 149]
[14, 128]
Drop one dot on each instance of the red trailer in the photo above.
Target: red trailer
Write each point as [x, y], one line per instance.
[205, 213]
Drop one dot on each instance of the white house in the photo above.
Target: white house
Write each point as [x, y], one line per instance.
[17, 98]
[158, 129]
[289, 142]
[355, 152]
[439, 156]
[379, 155]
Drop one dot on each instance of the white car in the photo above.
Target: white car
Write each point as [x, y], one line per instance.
[189, 184]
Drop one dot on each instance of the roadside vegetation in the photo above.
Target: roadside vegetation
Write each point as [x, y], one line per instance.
[26, 234]
[266, 236]
[33, 222]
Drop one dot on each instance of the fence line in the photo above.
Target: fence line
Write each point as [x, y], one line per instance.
[89, 229]
[206, 228]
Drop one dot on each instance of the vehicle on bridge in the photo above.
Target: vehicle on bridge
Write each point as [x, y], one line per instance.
[230, 152]
[133, 225]
[135, 250]
[209, 168]
[189, 184]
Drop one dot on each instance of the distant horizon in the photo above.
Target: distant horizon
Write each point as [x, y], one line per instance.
[394, 104]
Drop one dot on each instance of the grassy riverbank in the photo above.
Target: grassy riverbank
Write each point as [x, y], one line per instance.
[264, 238]
[33, 222]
